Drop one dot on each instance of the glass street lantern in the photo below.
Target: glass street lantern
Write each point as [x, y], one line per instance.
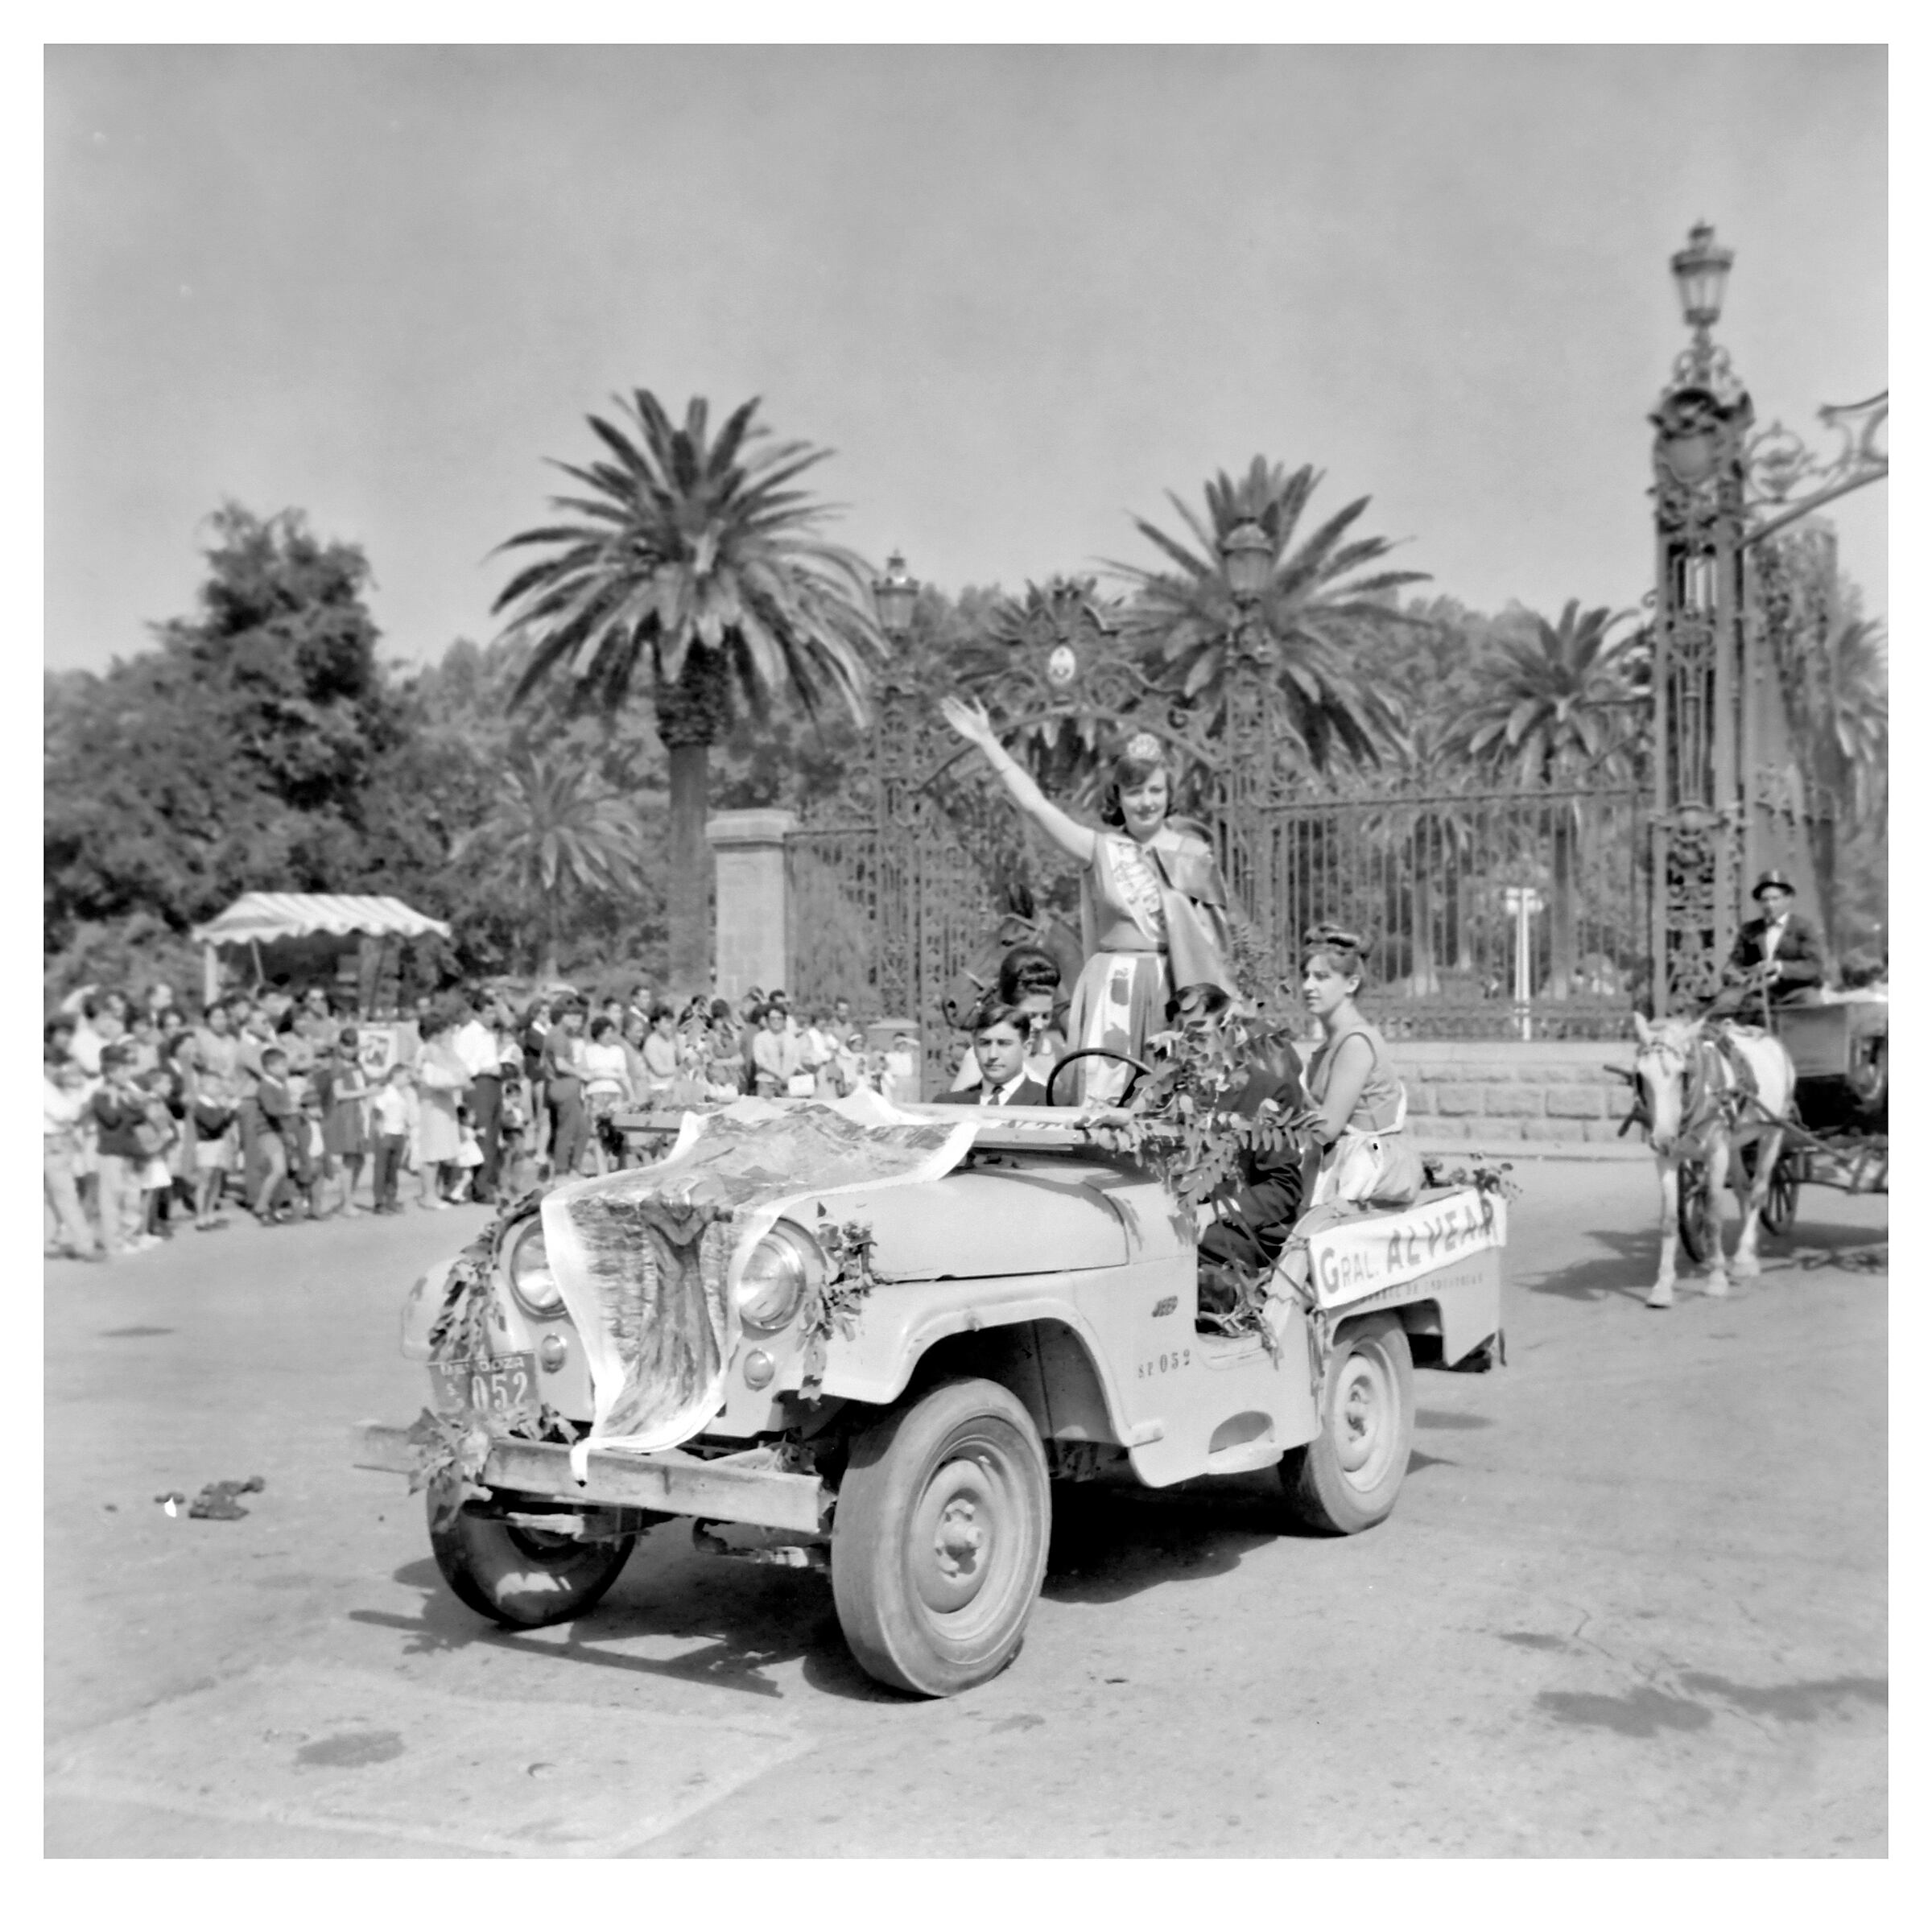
[1700, 271]
[895, 595]
[1248, 554]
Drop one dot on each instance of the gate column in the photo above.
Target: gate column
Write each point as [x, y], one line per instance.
[749, 849]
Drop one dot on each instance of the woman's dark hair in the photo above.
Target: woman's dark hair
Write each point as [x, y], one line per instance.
[991, 1011]
[1343, 948]
[598, 1029]
[660, 1012]
[1135, 766]
[433, 1025]
[720, 1008]
[1025, 969]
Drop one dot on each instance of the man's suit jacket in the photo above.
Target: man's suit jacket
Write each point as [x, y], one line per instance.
[1801, 956]
[1268, 1182]
[1031, 1091]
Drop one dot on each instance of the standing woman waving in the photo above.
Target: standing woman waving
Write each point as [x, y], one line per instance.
[1153, 910]
[1358, 1103]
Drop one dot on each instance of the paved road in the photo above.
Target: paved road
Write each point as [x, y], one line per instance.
[1632, 1603]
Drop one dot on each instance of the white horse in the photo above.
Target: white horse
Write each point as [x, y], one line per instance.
[1701, 1110]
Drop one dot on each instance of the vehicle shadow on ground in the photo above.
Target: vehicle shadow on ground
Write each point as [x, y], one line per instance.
[1630, 1267]
[747, 1619]
[1112, 1541]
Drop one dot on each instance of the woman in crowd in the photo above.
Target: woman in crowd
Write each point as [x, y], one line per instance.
[563, 1087]
[214, 1053]
[660, 1059]
[1358, 1105]
[606, 1090]
[346, 1091]
[774, 1054]
[440, 1082]
[1154, 908]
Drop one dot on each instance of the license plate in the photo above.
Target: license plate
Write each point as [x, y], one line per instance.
[493, 1385]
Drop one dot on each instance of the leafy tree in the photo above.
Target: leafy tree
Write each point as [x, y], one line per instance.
[1549, 709]
[235, 755]
[692, 571]
[1316, 603]
[551, 834]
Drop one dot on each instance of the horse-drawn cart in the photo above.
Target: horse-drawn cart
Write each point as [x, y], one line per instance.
[1839, 1051]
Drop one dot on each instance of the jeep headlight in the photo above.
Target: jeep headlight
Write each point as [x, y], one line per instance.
[771, 1286]
[536, 1289]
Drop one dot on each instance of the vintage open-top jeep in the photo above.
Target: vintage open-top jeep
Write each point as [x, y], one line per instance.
[887, 1367]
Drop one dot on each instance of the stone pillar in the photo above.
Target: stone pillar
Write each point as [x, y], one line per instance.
[748, 847]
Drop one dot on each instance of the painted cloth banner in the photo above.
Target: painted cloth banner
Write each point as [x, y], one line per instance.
[1349, 1262]
[643, 1258]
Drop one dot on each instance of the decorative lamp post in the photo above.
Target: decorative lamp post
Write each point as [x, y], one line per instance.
[1701, 270]
[895, 595]
[1248, 555]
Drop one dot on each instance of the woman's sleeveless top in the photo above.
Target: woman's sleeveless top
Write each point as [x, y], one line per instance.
[1383, 1104]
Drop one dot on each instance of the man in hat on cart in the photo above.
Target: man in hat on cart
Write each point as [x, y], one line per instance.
[1778, 958]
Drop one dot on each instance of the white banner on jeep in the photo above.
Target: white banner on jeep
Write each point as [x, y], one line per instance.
[1349, 1261]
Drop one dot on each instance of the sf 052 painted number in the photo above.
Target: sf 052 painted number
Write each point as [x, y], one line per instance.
[1167, 1360]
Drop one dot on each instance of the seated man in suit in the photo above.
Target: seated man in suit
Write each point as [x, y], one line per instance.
[1248, 1220]
[999, 1045]
[1777, 957]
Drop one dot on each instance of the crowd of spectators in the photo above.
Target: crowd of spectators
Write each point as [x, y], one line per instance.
[270, 1103]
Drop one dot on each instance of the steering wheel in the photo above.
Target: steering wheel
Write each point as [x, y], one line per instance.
[1116, 1056]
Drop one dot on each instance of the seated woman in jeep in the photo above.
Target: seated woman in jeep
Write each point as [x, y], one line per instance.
[1359, 1105]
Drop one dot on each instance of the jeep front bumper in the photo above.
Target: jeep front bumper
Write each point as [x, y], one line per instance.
[669, 1481]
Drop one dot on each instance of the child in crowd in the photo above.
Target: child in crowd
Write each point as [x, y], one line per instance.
[119, 1112]
[157, 1167]
[393, 1119]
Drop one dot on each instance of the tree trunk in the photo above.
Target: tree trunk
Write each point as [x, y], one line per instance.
[687, 882]
[548, 971]
[690, 713]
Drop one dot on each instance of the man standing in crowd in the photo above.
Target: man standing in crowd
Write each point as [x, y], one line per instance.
[119, 1111]
[475, 1045]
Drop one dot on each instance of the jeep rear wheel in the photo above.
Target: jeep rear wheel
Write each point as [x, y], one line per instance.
[519, 1576]
[1348, 1478]
[939, 1544]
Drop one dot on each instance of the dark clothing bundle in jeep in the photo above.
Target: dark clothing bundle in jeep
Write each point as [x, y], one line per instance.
[1258, 1210]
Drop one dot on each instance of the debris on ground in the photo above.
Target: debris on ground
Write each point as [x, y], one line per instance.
[217, 1501]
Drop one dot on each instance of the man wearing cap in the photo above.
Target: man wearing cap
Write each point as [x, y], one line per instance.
[1777, 956]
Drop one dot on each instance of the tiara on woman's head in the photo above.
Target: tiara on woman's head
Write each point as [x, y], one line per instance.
[1143, 747]
[1334, 935]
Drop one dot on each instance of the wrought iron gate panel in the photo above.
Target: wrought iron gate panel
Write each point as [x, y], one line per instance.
[1428, 877]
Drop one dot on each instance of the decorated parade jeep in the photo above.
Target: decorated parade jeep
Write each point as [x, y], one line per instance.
[868, 1339]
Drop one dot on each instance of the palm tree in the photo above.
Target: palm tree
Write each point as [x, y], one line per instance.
[549, 838]
[1315, 600]
[694, 573]
[1548, 709]
[1840, 716]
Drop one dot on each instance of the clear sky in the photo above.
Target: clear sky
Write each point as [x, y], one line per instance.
[1021, 292]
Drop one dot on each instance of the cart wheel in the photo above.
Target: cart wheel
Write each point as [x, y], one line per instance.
[1693, 1206]
[1348, 1478]
[939, 1544]
[519, 1577]
[1780, 1200]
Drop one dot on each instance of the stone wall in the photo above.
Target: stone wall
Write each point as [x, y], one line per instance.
[1512, 1093]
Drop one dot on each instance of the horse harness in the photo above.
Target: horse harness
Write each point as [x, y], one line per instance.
[1719, 1085]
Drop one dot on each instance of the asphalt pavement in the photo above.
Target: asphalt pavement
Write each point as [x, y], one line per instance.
[1632, 1603]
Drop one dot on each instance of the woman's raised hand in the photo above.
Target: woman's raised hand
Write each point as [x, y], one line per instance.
[968, 718]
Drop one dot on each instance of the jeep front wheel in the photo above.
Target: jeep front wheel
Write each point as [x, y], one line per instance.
[520, 1575]
[1348, 1478]
[938, 1543]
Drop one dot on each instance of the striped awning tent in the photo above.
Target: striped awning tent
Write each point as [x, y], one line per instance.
[260, 917]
